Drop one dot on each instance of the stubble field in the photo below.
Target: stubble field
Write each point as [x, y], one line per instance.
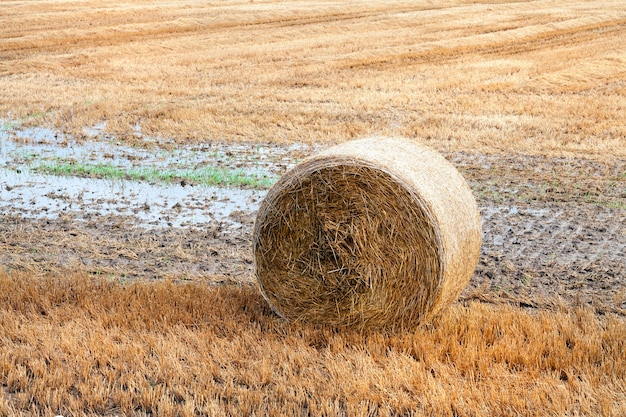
[139, 137]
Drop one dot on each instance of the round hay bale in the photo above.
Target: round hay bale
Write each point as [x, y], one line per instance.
[373, 233]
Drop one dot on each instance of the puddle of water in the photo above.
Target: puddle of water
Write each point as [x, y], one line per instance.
[44, 196]
[32, 146]
[25, 193]
[35, 195]
[506, 211]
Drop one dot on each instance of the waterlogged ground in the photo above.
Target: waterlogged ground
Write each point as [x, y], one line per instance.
[45, 175]
[554, 230]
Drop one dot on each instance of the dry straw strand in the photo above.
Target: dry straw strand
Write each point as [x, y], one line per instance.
[372, 233]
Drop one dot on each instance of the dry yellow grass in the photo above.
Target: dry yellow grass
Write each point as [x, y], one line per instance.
[537, 77]
[82, 346]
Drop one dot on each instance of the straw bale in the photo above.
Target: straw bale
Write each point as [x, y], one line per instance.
[373, 233]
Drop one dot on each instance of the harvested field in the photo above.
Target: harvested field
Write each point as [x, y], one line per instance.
[539, 77]
[164, 319]
[138, 138]
[81, 346]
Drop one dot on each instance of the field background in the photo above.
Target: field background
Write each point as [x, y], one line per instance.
[536, 77]
[527, 98]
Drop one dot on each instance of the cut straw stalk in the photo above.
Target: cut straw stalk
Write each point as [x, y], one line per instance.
[373, 233]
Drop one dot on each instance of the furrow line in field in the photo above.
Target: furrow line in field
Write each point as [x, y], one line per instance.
[512, 42]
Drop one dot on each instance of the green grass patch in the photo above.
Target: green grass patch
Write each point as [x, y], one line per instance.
[203, 176]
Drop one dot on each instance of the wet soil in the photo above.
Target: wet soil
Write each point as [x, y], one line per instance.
[554, 229]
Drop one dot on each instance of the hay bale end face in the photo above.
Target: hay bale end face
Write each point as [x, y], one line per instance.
[373, 233]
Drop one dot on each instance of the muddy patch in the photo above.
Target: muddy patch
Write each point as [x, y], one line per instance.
[551, 253]
[28, 148]
[554, 230]
[149, 205]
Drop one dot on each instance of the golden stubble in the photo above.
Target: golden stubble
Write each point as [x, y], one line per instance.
[543, 77]
[79, 345]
